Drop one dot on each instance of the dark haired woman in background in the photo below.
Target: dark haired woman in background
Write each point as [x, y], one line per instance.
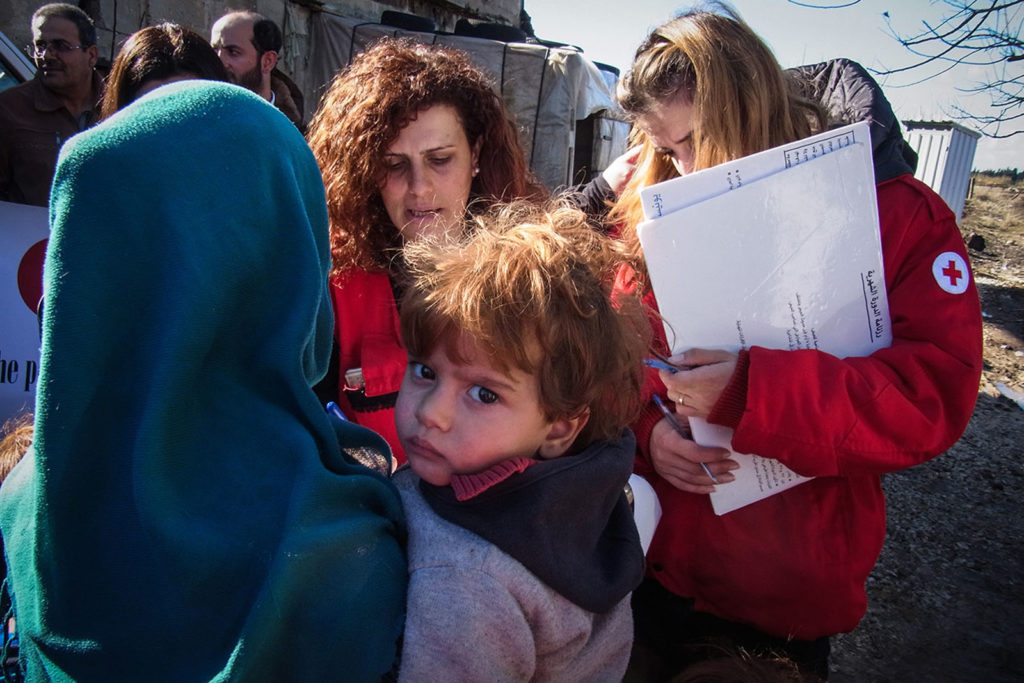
[154, 56]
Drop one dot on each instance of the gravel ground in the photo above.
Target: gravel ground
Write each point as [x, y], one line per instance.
[946, 600]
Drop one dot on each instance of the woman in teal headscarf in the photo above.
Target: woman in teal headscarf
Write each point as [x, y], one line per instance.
[187, 511]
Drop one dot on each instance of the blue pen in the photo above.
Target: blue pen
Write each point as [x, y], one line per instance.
[679, 430]
[334, 410]
[660, 365]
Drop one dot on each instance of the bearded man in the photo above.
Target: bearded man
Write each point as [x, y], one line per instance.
[248, 45]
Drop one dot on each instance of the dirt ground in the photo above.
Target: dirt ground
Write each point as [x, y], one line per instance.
[946, 600]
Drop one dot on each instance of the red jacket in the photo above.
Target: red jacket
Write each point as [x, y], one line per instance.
[796, 563]
[366, 330]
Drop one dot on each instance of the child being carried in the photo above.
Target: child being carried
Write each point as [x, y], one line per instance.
[523, 374]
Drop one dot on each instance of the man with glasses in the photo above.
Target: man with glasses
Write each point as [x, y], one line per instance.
[248, 45]
[38, 116]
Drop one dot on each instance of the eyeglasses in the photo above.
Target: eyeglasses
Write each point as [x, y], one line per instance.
[39, 48]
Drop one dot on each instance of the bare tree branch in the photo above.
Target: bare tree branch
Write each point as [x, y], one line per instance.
[813, 5]
[977, 33]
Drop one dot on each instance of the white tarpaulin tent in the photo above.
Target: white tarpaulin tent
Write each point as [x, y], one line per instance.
[549, 90]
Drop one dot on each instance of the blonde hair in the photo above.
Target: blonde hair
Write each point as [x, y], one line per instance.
[532, 285]
[743, 100]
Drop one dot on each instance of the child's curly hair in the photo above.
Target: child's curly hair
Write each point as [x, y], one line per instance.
[15, 439]
[532, 285]
[363, 112]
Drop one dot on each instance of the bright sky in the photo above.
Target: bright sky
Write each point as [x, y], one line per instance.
[609, 31]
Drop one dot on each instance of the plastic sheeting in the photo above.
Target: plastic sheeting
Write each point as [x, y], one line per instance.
[547, 89]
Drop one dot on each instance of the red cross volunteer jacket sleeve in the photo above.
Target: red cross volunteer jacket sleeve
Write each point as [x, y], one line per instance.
[825, 416]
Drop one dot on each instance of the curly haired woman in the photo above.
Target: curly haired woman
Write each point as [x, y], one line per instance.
[409, 137]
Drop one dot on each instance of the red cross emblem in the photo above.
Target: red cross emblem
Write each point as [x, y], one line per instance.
[950, 272]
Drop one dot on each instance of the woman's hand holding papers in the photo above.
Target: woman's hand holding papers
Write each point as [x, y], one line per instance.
[678, 460]
[704, 376]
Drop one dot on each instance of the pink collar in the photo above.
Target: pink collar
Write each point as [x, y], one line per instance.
[467, 486]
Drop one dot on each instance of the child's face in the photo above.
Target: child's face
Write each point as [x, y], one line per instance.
[462, 418]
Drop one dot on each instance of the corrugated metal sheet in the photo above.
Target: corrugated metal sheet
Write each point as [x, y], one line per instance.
[945, 156]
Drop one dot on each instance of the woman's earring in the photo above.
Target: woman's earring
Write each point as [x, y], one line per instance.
[476, 170]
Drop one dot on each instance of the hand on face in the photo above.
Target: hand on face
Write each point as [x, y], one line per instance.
[678, 460]
[429, 172]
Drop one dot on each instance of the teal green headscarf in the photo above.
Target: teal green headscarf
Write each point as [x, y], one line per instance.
[186, 512]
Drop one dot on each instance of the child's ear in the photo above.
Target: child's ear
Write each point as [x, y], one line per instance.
[562, 434]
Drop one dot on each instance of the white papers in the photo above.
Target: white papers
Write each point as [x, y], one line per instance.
[646, 509]
[789, 261]
[666, 197]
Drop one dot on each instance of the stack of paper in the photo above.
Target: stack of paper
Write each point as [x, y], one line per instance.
[780, 249]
